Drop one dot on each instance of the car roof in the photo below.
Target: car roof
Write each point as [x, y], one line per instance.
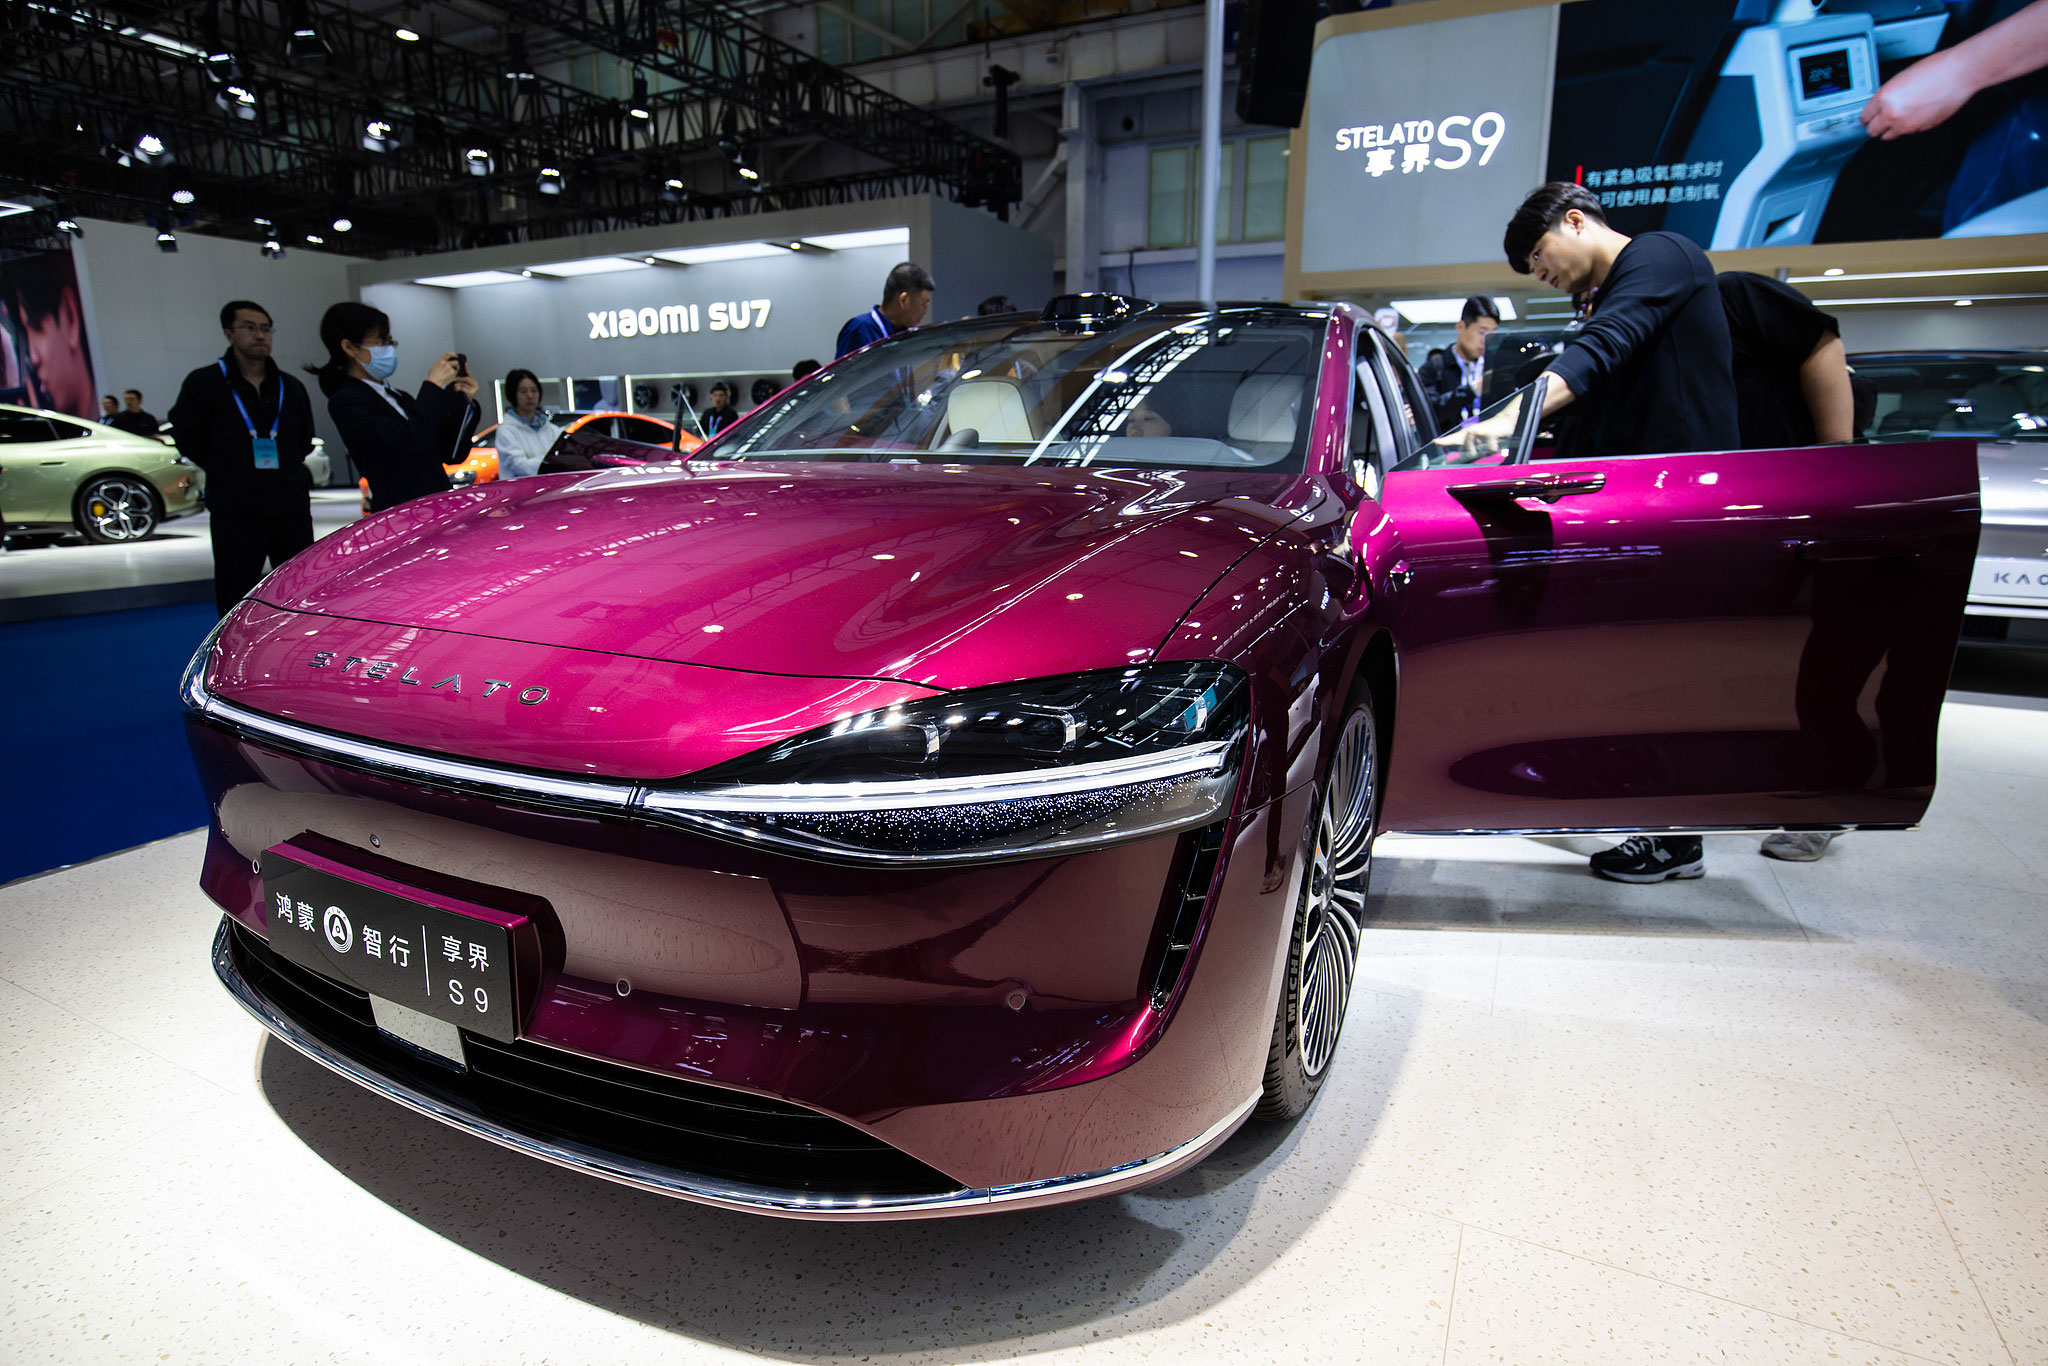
[83, 421]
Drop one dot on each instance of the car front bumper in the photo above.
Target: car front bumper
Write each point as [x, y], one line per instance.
[790, 995]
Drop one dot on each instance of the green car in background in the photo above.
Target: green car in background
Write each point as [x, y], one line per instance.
[60, 473]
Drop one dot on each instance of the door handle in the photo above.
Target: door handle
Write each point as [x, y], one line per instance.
[1548, 487]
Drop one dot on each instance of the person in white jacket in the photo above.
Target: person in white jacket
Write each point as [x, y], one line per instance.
[525, 435]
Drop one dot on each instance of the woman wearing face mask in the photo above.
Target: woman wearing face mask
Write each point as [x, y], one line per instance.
[526, 435]
[399, 442]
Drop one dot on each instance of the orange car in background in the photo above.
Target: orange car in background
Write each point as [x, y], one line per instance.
[481, 467]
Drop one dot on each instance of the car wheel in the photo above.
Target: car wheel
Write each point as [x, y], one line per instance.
[117, 507]
[1329, 920]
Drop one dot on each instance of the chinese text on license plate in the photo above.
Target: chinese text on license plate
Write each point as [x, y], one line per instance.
[455, 965]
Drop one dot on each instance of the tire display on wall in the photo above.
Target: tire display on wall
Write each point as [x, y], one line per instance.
[1329, 920]
[117, 507]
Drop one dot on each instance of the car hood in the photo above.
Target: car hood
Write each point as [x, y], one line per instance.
[942, 576]
[2015, 481]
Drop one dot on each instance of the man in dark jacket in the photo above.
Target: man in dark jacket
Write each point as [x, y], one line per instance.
[1451, 378]
[132, 419]
[1651, 371]
[249, 426]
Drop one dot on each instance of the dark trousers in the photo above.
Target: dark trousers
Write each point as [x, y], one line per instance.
[243, 541]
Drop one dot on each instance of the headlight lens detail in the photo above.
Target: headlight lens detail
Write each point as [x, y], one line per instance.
[996, 773]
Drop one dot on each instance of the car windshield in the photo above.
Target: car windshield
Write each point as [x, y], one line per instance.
[1232, 389]
[1979, 396]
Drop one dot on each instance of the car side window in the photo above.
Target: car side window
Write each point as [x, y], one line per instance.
[22, 428]
[61, 430]
[640, 429]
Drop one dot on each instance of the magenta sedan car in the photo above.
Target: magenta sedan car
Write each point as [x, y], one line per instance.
[956, 789]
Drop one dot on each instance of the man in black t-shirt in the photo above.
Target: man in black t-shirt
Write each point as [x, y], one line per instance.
[1791, 369]
[1649, 372]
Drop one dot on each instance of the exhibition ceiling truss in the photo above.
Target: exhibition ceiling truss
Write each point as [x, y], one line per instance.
[276, 120]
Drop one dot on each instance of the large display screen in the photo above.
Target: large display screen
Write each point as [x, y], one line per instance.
[1739, 125]
[45, 354]
[1409, 160]
[1824, 73]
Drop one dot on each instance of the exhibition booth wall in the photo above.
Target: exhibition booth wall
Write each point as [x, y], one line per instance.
[717, 319]
[153, 317]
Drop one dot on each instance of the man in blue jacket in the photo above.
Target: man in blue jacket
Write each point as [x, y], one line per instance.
[906, 298]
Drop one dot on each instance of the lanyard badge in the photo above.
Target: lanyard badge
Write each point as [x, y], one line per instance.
[262, 448]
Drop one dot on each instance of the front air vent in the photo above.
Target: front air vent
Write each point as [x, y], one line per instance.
[1184, 911]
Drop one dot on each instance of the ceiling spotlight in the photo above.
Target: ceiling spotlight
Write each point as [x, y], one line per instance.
[222, 66]
[273, 250]
[343, 224]
[517, 68]
[750, 173]
[304, 45]
[69, 227]
[166, 240]
[478, 161]
[379, 136]
[262, 222]
[673, 191]
[638, 109]
[182, 195]
[150, 148]
[236, 100]
[314, 240]
[406, 35]
[549, 181]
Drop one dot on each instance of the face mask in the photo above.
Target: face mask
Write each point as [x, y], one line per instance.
[383, 362]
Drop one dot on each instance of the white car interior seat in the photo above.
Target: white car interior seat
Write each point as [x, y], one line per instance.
[1264, 414]
[993, 407]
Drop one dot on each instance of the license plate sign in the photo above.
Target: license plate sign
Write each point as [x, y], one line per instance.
[2003, 577]
[441, 956]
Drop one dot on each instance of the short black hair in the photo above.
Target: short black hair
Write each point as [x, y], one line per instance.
[512, 378]
[729, 390]
[229, 309]
[994, 304]
[1477, 307]
[109, 398]
[1541, 212]
[907, 278]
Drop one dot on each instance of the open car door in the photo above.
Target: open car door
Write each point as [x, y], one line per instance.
[1724, 640]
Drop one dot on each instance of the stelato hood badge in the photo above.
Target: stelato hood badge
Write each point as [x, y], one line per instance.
[379, 669]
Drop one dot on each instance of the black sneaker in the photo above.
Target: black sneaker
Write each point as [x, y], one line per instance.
[1648, 858]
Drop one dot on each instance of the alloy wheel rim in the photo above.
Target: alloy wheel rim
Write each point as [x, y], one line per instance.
[1333, 915]
[120, 509]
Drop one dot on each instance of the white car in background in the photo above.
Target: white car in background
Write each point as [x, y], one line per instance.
[2000, 398]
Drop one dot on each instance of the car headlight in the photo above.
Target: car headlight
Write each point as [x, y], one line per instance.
[1018, 771]
[464, 478]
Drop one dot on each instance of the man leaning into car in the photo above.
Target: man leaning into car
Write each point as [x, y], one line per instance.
[1650, 371]
[249, 425]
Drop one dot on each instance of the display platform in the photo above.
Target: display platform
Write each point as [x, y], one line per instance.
[71, 578]
[1784, 1114]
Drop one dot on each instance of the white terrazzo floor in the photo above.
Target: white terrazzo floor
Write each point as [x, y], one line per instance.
[1786, 1114]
